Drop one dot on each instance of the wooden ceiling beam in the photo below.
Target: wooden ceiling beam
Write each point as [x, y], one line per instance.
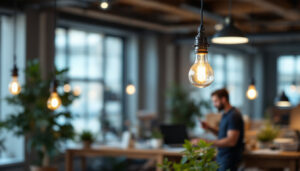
[277, 8]
[158, 6]
[98, 15]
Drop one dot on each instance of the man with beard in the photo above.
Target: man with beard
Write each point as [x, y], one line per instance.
[230, 133]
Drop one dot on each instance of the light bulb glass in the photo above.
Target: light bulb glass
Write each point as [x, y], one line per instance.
[201, 74]
[130, 89]
[67, 88]
[293, 88]
[54, 101]
[14, 86]
[230, 40]
[251, 92]
[77, 91]
[104, 5]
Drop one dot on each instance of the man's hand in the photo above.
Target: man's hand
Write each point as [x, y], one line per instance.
[195, 141]
[205, 125]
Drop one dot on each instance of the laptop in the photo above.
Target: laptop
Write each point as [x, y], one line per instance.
[174, 135]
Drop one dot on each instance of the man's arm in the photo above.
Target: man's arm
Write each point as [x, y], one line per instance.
[229, 141]
[209, 128]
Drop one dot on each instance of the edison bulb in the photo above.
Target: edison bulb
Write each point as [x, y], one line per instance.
[54, 101]
[104, 5]
[77, 91]
[130, 89]
[14, 86]
[67, 88]
[201, 74]
[251, 92]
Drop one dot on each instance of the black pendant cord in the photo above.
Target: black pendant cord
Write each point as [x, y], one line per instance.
[201, 25]
[54, 83]
[229, 8]
[15, 35]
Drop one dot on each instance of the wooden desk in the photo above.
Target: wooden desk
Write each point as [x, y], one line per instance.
[272, 160]
[153, 154]
[250, 159]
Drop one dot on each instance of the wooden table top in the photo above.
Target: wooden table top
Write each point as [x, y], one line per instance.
[114, 151]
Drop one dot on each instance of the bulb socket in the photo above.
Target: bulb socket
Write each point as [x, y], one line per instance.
[252, 81]
[201, 43]
[54, 85]
[14, 71]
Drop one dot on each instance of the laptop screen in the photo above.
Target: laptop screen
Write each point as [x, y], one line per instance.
[174, 134]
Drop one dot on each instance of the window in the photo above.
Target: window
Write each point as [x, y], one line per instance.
[288, 73]
[229, 72]
[95, 63]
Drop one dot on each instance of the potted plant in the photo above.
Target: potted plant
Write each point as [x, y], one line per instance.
[157, 139]
[44, 130]
[267, 134]
[182, 108]
[200, 157]
[87, 138]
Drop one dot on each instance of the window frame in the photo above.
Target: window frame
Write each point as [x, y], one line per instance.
[105, 35]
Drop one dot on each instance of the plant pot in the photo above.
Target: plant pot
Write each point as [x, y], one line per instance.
[87, 144]
[264, 145]
[37, 168]
[156, 143]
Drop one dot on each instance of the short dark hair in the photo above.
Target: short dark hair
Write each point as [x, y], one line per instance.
[221, 93]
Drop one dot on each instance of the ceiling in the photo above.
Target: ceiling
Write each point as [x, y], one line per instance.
[183, 16]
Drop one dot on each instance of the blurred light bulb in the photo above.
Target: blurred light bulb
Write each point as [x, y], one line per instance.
[130, 89]
[54, 101]
[251, 92]
[104, 5]
[201, 74]
[14, 86]
[77, 91]
[67, 88]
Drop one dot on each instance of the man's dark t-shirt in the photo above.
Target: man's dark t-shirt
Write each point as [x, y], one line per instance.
[229, 157]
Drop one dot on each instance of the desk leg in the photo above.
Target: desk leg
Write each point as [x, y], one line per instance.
[69, 161]
[292, 165]
[83, 163]
[159, 160]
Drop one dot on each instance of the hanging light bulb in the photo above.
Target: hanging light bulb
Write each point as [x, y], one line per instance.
[294, 86]
[201, 73]
[67, 88]
[130, 89]
[77, 91]
[252, 92]
[14, 86]
[54, 100]
[104, 4]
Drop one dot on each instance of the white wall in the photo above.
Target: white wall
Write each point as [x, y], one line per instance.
[14, 145]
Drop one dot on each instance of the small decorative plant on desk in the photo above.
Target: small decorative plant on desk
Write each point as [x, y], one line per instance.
[41, 127]
[157, 139]
[267, 134]
[87, 138]
[195, 158]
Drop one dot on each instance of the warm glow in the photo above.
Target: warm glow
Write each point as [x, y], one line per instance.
[130, 89]
[293, 88]
[54, 101]
[201, 74]
[67, 88]
[104, 5]
[230, 40]
[77, 91]
[283, 104]
[251, 92]
[14, 86]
